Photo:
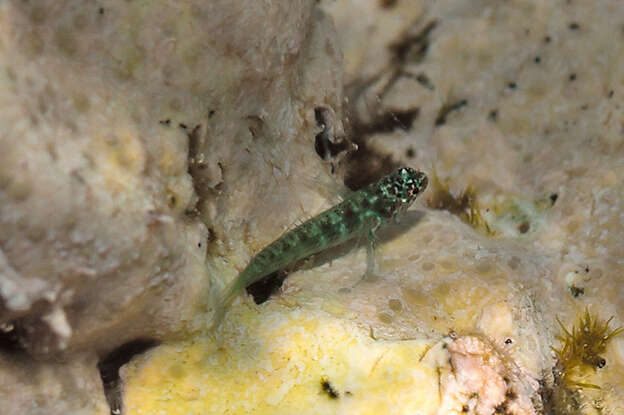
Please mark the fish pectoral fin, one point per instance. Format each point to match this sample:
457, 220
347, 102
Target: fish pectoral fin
371, 268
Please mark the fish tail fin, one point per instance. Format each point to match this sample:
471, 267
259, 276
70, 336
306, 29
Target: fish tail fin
216, 297
222, 297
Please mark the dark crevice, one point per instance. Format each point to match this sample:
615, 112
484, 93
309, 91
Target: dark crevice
413, 48
197, 165
329, 389
576, 291
256, 126
10, 341
558, 399
325, 143
493, 115
366, 165
195, 162
18, 336
425, 81
447, 109
109, 369
261, 290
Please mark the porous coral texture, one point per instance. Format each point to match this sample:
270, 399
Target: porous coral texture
518, 102
106, 113
43, 388
136, 136
149, 149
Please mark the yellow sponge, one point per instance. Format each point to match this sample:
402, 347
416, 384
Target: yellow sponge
286, 361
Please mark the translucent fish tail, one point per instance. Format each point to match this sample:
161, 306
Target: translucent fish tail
223, 297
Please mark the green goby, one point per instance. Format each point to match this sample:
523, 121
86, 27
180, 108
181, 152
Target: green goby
360, 214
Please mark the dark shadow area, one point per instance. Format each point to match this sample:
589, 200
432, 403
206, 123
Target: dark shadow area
10, 339
261, 290
557, 399
109, 369
365, 164
413, 47
447, 109
326, 145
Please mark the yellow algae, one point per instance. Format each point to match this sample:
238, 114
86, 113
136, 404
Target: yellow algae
465, 204
582, 375
287, 361
582, 347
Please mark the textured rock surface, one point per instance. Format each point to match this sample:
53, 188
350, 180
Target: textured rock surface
122, 133
135, 137
94, 239
140, 137
37, 388
521, 101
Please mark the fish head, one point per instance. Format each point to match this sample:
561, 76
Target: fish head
406, 184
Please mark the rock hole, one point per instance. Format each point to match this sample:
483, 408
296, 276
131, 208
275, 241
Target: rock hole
524, 227
10, 339
576, 291
109, 369
261, 290
325, 142
493, 115
329, 389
